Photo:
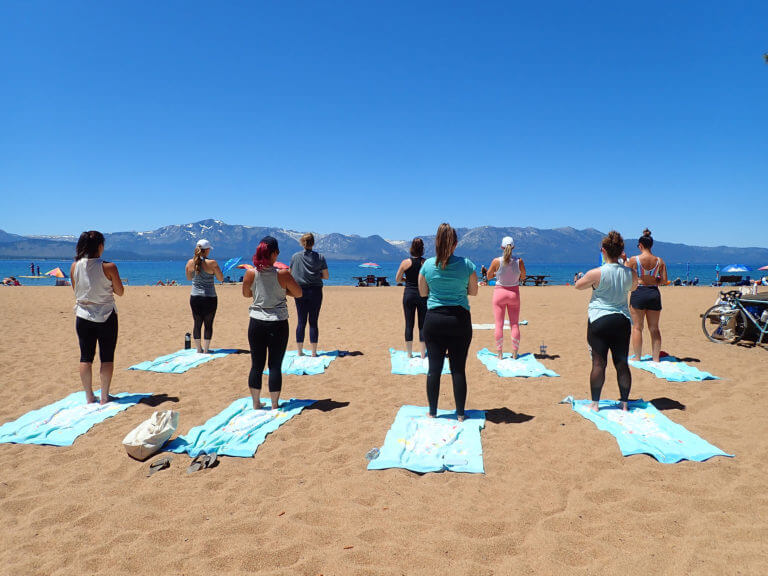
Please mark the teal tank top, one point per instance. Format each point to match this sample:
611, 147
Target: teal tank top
610, 296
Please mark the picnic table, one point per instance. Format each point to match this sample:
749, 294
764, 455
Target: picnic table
371, 280
536, 280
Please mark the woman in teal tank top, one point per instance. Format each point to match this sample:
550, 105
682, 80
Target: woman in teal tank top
609, 325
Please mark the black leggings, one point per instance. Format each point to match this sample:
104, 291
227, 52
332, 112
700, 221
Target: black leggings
105, 333
267, 340
413, 304
447, 329
612, 333
203, 312
308, 308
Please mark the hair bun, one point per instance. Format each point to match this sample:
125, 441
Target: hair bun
647, 233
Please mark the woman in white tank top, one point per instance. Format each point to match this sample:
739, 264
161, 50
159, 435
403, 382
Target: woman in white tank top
509, 272
95, 282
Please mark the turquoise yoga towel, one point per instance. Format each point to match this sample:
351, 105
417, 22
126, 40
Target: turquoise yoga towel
671, 369
181, 361
238, 430
306, 365
60, 423
413, 366
421, 444
645, 430
526, 365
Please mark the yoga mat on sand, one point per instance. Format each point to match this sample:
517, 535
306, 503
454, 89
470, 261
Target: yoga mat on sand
493, 326
413, 366
181, 361
306, 365
60, 423
238, 430
645, 430
421, 444
671, 369
526, 365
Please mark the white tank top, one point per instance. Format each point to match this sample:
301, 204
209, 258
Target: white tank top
508, 274
94, 299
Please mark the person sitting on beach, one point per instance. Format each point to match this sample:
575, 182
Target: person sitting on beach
609, 324
309, 269
202, 298
414, 305
11, 281
509, 272
268, 326
95, 282
446, 281
645, 302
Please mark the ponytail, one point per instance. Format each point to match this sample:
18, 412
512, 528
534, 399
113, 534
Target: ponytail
198, 258
445, 244
507, 253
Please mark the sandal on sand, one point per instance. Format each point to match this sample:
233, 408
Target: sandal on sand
159, 464
201, 462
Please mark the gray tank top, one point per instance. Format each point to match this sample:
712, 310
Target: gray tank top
202, 284
269, 302
94, 299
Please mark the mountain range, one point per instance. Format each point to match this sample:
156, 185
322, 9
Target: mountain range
556, 246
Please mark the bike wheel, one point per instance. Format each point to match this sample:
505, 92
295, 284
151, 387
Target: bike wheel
723, 324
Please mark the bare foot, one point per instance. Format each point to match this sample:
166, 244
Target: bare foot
514, 355
431, 415
106, 400
200, 351
461, 418
595, 406
300, 352
314, 354
90, 398
625, 406
500, 355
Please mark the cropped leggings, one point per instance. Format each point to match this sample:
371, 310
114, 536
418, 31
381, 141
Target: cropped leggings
506, 299
268, 340
105, 333
414, 306
203, 313
308, 308
612, 333
447, 329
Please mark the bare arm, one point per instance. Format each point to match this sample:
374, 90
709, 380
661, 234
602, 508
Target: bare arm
189, 269
522, 271
404, 265
213, 268
634, 280
590, 280
248, 283
663, 273
493, 269
110, 271
472, 286
72, 275
423, 286
325, 273
286, 280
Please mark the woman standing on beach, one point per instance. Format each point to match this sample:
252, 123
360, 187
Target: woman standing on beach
414, 305
645, 302
446, 280
609, 324
309, 269
95, 282
268, 327
509, 272
202, 298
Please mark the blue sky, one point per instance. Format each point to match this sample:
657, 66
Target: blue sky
386, 117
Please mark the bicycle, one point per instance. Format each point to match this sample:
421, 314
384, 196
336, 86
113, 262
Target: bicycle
726, 321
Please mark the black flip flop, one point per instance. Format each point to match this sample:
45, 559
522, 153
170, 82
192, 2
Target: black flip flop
159, 464
201, 462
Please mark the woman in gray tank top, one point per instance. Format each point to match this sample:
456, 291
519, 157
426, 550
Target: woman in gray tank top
202, 298
267, 287
95, 283
609, 324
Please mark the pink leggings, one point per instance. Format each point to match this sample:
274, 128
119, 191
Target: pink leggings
507, 299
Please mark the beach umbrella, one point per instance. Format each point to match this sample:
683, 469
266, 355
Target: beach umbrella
735, 269
281, 266
56, 273
244, 266
231, 263
763, 267
369, 265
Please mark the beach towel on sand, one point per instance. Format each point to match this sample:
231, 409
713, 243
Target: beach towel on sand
306, 365
238, 430
181, 361
413, 366
526, 365
645, 430
60, 423
421, 444
671, 369
493, 326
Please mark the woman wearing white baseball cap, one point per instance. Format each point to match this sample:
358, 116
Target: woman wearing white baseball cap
202, 298
509, 272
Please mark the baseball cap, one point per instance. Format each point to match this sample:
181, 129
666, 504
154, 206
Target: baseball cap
507, 241
203, 244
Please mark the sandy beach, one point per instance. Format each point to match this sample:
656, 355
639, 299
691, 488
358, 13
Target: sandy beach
557, 496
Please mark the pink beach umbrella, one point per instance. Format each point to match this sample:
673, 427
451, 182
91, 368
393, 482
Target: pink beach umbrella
369, 265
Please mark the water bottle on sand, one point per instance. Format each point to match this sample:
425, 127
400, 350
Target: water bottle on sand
543, 349
187, 341
372, 454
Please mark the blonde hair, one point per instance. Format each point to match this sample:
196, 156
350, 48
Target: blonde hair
197, 259
445, 244
307, 241
507, 253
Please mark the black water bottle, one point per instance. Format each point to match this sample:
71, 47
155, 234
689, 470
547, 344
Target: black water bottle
187, 341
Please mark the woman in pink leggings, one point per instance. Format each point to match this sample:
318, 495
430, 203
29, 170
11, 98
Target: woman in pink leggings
508, 272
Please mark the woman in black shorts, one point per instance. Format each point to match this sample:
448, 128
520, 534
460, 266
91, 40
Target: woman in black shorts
645, 302
414, 304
